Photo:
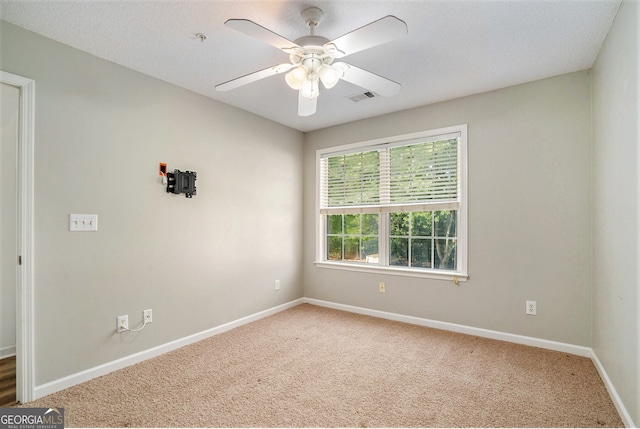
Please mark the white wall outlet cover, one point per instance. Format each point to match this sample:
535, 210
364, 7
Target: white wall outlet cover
122, 323
531, 308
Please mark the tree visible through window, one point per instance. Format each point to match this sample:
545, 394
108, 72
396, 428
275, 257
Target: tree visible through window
423, 239
352, 237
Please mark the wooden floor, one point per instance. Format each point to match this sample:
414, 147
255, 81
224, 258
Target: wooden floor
7, 381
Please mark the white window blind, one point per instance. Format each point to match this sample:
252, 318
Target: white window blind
351, 179
424, 172
403, 176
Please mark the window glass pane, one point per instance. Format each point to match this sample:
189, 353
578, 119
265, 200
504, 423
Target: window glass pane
421, 224
352, 249
445, 223
370, 224
445, 254
334, 248
398, 252
352, 224
369, 250
334, 224
399, 224
358, 243
421, 253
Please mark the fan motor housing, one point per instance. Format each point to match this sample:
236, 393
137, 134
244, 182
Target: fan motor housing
312, 42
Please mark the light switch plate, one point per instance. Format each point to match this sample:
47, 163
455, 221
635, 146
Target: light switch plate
83, 222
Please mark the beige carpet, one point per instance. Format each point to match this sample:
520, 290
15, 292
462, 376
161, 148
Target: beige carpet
315, 367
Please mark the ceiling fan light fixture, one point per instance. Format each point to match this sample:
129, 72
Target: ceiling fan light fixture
329, 75
310, 87
296, 77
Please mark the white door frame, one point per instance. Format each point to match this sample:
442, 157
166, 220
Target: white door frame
24, 313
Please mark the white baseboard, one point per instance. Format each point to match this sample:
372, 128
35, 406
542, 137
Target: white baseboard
463, 329
86, 375
622, 410
8, 351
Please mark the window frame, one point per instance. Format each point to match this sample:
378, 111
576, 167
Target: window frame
461, 273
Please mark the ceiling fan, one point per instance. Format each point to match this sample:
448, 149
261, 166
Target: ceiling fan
312, 58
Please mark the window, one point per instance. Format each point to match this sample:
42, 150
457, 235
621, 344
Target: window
397, 205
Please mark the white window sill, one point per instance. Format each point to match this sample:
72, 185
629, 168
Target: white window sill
394, 271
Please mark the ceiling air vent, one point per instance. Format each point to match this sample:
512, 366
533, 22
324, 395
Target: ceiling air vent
360, 97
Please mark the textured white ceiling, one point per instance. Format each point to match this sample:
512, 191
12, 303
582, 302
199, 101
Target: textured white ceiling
453, 49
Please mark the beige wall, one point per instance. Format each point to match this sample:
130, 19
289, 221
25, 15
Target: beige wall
616, 226
100, 132
529, 213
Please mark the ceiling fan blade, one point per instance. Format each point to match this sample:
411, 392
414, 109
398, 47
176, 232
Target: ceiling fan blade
252, 77
376, 33
372, 82
257, 31
306, 106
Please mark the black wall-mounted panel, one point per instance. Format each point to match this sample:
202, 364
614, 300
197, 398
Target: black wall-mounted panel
182, 182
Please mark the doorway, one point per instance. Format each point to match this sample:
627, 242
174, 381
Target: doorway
16, 228
9, 122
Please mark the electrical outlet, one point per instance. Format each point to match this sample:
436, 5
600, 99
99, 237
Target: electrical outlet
531, 308
147, 316
382, 287
277, 285
122, 323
